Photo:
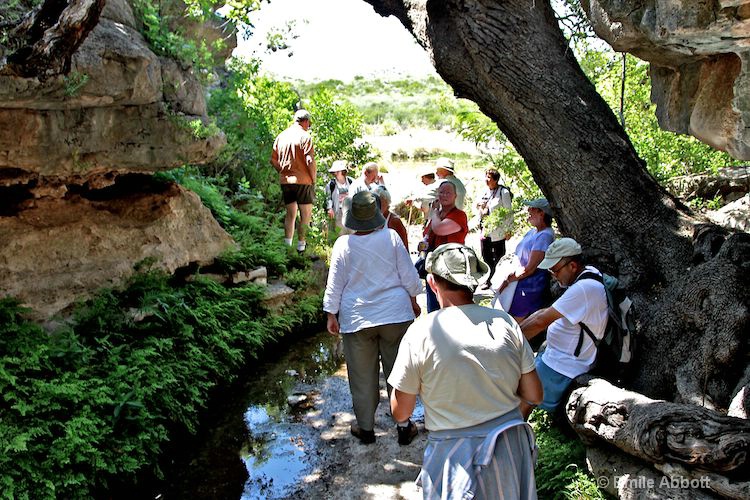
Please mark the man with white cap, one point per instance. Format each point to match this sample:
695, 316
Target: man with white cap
337, 190
584, 302
446, 172
293, 158
472, 368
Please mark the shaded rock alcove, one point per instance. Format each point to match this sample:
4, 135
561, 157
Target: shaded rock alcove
699, 62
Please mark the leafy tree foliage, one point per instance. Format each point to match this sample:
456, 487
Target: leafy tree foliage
337, 130
397, 103
166, 37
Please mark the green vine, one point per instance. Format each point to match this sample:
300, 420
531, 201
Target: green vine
499, 218
74, 82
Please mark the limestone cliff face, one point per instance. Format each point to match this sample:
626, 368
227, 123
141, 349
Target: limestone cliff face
78, 207
699, 54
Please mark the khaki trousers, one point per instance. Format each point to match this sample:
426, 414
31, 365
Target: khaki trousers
363, 351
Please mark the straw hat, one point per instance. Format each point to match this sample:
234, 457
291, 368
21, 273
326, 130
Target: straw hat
445, 163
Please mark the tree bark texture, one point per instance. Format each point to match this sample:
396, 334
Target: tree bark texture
511, 58
660, 431
51, 35
626, 478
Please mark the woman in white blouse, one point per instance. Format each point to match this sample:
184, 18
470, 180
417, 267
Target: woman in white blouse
370, 299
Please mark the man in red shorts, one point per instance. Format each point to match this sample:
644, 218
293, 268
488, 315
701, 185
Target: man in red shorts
293, 158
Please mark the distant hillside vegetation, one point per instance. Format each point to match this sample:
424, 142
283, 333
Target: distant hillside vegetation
399, 104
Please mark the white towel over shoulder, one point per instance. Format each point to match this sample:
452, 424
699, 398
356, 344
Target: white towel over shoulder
507, 266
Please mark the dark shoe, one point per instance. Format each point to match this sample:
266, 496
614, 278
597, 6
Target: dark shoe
407, 434
365, 437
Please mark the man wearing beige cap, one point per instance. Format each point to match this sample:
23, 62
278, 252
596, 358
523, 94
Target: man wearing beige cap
446, 172
569, 352
472, 367
293, 158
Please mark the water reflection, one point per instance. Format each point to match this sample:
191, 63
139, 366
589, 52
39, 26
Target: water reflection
274, 460
276, 453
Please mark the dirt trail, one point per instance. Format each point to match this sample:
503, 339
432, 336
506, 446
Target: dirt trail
348, 469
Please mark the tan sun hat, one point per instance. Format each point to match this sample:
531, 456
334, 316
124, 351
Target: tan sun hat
445, 163
458, 264
559, 249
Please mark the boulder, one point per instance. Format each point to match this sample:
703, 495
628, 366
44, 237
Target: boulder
120, 109
54, 252
699, 62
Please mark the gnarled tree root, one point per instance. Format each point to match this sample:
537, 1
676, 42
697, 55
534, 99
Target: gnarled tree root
659, 431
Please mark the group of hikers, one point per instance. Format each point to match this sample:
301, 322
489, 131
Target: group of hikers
472, 366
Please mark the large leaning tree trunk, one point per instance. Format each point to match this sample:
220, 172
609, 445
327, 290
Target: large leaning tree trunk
690, 281
51, 34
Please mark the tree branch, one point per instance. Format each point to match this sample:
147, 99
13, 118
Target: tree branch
52, 34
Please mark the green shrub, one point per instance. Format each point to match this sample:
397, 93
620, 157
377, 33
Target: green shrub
561, 465
399, 155
93, 404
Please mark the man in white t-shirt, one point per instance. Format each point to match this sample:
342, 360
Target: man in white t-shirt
570, 352
472, 368
368, 181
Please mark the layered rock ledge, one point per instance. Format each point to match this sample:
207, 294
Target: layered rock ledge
81, 138
699, 54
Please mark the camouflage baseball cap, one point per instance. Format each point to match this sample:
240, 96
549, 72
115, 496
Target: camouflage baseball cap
458, 264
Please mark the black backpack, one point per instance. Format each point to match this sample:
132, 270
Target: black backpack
616, 349
509, 192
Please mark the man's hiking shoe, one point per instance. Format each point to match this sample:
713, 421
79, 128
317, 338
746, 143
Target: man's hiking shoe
365, 437
407, 434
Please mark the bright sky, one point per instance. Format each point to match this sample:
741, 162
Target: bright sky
338, 39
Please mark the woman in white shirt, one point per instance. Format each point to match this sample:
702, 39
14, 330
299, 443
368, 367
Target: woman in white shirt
337, 190
370, 299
